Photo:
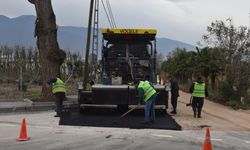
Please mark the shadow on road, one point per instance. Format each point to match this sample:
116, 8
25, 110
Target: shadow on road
109, 117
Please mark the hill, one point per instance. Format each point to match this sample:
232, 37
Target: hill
20, 31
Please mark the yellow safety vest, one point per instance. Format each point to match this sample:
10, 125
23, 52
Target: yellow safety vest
199, 90
58, 86
148, 90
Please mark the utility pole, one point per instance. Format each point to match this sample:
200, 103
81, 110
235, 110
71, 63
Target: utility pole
88, 45
21, 81
249, 20
95, 38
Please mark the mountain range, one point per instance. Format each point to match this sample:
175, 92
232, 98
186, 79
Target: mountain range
20, 31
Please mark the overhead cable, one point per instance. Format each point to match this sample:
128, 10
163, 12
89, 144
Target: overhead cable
111, 13
109, 20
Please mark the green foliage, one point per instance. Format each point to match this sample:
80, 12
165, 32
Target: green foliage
246, 106
208, 62
248, 94
233, 103
226, 55
225, 90
180, 64
184, 65
237, 105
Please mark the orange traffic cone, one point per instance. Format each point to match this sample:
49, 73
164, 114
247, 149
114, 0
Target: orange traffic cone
207, 145
23, 133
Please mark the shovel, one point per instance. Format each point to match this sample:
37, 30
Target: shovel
129, 111
116, 121
190, 102
133, 108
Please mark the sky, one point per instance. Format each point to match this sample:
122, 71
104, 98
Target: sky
182, 20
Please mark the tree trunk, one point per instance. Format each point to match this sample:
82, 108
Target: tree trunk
213, 78
51, 57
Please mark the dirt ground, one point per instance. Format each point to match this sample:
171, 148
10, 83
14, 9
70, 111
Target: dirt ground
217, 116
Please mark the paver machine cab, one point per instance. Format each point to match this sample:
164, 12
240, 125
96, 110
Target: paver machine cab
127, 55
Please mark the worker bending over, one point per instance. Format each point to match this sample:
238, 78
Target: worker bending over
58, 89
147, 93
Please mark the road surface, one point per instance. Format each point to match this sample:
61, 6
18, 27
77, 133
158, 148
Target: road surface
46, 134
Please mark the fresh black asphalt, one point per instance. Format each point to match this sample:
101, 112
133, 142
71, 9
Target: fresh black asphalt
110, 117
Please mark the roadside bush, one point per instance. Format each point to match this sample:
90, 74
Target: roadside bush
233, 103
248, 96
225, 90
237, 105
246, 106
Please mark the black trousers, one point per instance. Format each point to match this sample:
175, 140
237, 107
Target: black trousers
197, 105
60, 96
79, 93
174, 102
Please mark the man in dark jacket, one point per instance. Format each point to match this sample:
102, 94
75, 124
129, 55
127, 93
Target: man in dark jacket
174, 93
199, 92
58, 89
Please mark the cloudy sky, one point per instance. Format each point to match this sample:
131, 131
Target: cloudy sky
183, 20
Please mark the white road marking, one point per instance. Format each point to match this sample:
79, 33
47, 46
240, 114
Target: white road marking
160, 135
43, 127
213, 139
14, 125
248, 142
2, 139
8, 125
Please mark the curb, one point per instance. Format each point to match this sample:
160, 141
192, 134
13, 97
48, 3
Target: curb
27, 109
41, 106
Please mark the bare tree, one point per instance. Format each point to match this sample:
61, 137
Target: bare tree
51, 57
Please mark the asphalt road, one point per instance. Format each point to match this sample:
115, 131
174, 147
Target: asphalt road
46, 134
110, 117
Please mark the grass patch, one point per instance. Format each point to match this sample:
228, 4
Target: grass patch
246, 106
232, 103
33, 95
237, 105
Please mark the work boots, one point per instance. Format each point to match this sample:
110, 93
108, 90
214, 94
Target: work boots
173, 112
199, 115
194, 114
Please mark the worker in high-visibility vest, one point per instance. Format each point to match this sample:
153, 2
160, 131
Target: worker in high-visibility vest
199, 92
147, 93
58, 89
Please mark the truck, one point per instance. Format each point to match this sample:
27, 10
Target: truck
127, 55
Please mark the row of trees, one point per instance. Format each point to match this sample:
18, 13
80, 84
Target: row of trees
19, 60
224, 60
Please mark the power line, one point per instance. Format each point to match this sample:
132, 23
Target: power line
110, 23
111, 13
108, 8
